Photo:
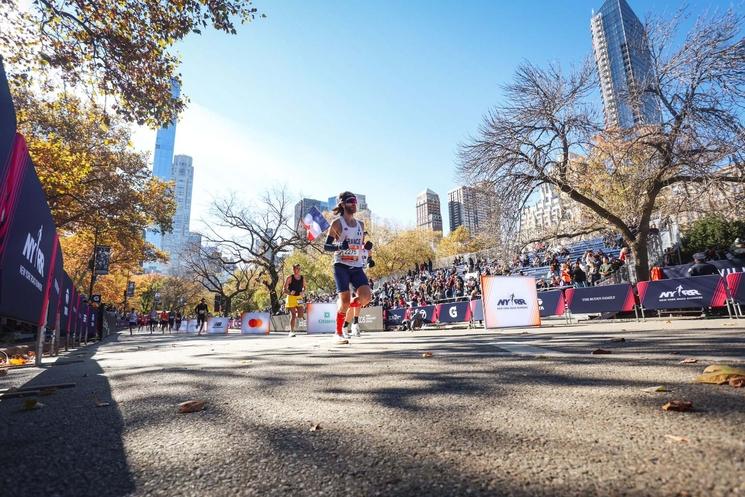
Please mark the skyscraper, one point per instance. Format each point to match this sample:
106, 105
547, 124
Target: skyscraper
182, 175
625, 66
162, 162
469, 207
428, 214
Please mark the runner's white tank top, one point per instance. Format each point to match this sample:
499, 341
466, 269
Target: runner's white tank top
356, 256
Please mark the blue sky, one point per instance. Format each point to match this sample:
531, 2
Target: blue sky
374, 97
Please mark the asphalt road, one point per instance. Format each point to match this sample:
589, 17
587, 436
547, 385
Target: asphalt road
487, 414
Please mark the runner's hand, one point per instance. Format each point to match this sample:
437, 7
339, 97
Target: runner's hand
370, 263
344, 245
368, 245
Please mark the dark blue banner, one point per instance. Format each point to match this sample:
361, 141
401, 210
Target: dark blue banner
56, 286
395, 316
66, 303
551, 303
426, 312
598, 299
724, 267
27, 251
7, 124
683, 293
454, 312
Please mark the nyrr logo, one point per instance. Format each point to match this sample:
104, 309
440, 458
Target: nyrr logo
32, 251
680, 292
540, 305
512, 301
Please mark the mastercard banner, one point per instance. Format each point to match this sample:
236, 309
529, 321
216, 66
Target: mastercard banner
255, 323
510, 301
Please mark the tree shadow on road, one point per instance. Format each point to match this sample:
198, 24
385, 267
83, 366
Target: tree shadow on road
69, 447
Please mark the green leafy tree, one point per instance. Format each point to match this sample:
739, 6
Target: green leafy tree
711, 232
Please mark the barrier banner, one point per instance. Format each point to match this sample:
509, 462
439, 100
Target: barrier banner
255, 323
510, 301
736, 283
92, 321
82, 320
55, 290
371, 318
683, 293
477, 310
321, 318
598, 299
551, 303
68, 296
454, 312
217, 325
7, 123
28, 242
724, 267
427, 312
394, 317
188, 326
281, 322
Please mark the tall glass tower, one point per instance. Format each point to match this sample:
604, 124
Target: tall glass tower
624, 65
162, 162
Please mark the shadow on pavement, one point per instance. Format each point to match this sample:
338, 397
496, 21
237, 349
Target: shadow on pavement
69, 447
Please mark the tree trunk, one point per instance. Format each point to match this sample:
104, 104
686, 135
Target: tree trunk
641, 257
274, 298
228, 302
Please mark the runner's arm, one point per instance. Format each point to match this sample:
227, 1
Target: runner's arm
333, 235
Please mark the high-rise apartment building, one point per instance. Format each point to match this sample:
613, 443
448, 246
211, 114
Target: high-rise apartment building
469, 207
428, 214
178, 240
624, 65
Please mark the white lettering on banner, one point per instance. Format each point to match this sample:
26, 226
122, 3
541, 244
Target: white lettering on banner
30, 277
540, 305
453, 311
596, 299
32, 251
680, 292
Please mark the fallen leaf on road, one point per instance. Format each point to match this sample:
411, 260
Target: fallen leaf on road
191, 406
100, 403
737, 382
678, 405
668, 321
719, 374
315, 427
660, 388
427, 354
3, 372
31, 404
676, 438
600, 351
618, 340
688, 360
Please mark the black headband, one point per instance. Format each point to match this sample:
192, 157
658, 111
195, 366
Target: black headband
347, 196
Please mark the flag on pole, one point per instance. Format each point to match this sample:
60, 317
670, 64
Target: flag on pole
315, 223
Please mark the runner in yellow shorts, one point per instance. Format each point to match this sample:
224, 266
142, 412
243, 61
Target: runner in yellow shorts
295, 289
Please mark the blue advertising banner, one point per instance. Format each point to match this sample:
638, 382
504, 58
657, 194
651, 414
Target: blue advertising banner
683, 293
598, 299
66, 303
27, 251
551, 303
427, 313
454, 312
55, 290
395, 316
7, 123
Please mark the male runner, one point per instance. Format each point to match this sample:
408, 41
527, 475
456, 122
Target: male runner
346, 239
201, 311
294, 289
